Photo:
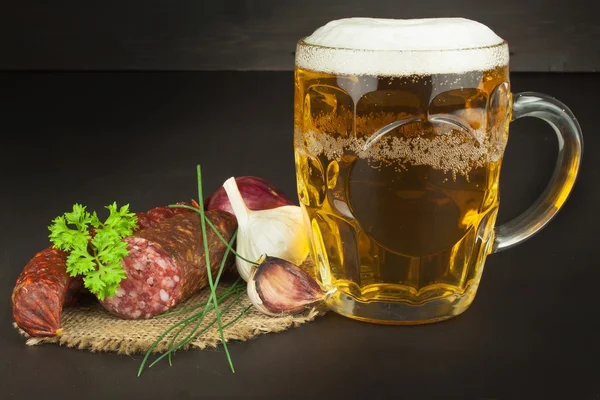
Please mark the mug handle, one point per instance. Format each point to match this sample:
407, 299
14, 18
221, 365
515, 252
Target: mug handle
570, 151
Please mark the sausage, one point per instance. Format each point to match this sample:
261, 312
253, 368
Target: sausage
44, 288
166, 264
41, 292
155, 215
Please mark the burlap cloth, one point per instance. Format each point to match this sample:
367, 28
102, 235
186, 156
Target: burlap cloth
93, 328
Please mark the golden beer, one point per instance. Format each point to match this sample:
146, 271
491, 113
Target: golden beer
397, 174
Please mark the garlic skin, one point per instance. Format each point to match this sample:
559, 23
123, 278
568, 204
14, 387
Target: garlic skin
279, 232
258, 194
277, 287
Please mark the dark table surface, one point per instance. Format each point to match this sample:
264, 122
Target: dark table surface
96, 138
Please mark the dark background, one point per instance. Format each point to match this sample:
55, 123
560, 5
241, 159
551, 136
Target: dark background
118, 101
544, 35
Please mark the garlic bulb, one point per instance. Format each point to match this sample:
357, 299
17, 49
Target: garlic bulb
278, 232
278, 287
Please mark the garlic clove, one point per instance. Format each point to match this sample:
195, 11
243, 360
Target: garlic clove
278, 287
279, 232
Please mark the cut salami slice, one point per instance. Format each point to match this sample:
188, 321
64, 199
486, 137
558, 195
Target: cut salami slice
166, 264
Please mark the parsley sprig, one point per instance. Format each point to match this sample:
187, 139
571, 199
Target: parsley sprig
96, 257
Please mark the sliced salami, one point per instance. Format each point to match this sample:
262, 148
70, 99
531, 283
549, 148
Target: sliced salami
166, 264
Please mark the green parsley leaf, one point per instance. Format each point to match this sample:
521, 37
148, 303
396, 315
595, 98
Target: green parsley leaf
80, 262
97, 259
122, 221
94, 283
104, 240
95, 221
79, 217
111, 274
65, 238
117, 252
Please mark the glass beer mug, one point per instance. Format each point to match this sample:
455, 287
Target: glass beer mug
399, 132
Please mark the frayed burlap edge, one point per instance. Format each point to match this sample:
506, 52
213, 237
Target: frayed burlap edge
94, 329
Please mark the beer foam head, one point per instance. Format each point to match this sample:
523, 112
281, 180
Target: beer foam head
370, 46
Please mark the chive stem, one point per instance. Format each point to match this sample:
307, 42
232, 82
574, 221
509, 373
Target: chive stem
214, 228
203, 330
206, 252
236, 290
231, 289
218, 278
